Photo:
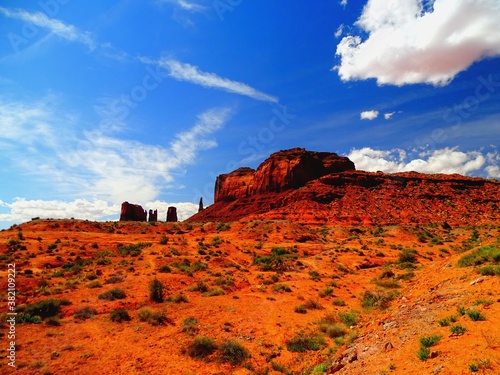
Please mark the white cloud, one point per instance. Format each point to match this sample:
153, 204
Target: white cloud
339, 31
369, 115
22, 210
389, 115
447, 160
343, 3
186, 5
191, 73
65, 31
413, 42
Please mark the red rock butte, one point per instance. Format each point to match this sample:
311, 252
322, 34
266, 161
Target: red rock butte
321, 187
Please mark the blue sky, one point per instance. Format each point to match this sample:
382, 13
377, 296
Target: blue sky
149, 100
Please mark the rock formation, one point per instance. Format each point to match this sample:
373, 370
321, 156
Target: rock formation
284, 170
153, 216
172, 214
200, 206
132, 212
320, 187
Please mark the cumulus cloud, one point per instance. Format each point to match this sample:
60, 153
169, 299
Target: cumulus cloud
369, 115
447, 160
190, 73
22, 210
59, 28
410, 41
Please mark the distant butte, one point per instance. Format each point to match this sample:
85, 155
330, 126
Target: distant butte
321, 187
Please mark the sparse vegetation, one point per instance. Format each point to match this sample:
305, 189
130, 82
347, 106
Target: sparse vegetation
151, 316
119, 315
112, 294
156, 291
303, 342
279, 260
85, 313
201, 347
377, 299
233, 352
475, 315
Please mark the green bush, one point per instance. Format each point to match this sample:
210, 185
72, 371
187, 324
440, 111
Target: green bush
407, 256
131, 249
112, 295
189, 325
485, 254
150, 316
119, 315
429, 341
233, 352
201, 347
377, 299
313, 305
114, 280
165, 269
328, 291
303, 342
45, 309
280, 260
301, 309
423, 353
457, 329
85, 313
475, 315
156, 291
280, 288
338, 302
349, 318
334, 330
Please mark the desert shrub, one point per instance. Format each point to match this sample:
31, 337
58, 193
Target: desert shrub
334, 330
201, 347
457, 329
280, 288
444, 322
490, 270
377, 299
94, 284
163, 240
53, 322
315, 275
338, 302
223, 227
485, 254
45, 309
224, 282
349, 318
114, 280
189, 325
303, 342
180, 298
233, 352
475, 315
407, 257
312, 305
119, 315
151, 316
388, 284
85, 313
328, 291
165, 269
200, 286
278, 367
280, 260
300, 309
429, 341
112, 294
156, 291
423, 353
213, 292
131, 249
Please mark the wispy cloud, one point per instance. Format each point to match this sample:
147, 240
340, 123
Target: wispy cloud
429, 42
190, 73
446, 160
389, 115
59, 28
186, 5
369, 115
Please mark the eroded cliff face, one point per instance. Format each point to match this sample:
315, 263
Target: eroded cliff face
283, 170
315, 187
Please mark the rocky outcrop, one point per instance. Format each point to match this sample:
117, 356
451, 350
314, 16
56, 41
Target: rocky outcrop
283, 170
200, 205
153, 216
285, 186
132, 212
172, 214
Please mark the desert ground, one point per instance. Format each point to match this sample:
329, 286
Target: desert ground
250, 297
